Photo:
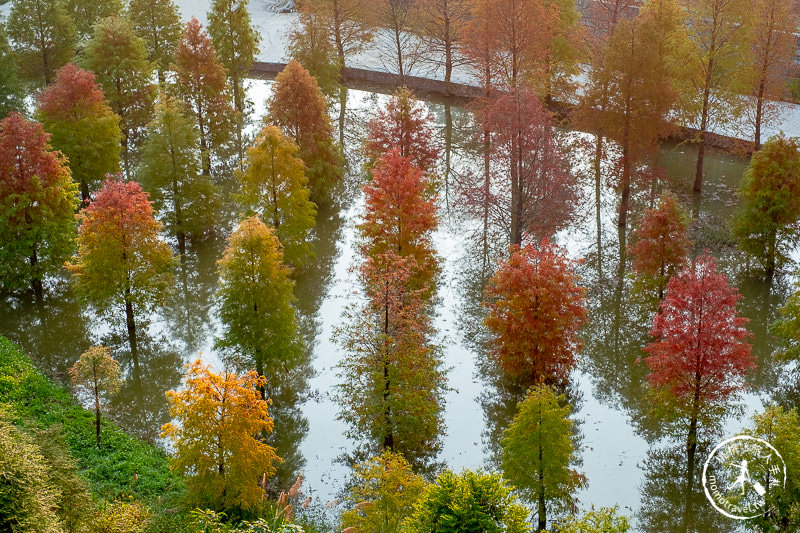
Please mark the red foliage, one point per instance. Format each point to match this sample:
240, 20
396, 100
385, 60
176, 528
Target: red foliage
197, 62
533, 189
119, 208
403, 125
400, 213
28, 165
661, 242
701, 353
536, 311
74, 93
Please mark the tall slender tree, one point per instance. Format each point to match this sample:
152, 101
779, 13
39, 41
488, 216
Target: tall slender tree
158, 22
716, 68
98, 372
122, 264
633, 95
202, 85
401, 217
187, 201
118, 58
236, 43
256, 301
274, 186
770, 190
298, 107
533, 190
539, 454
44, 38
773, 53
392, 376
700, 355
218, 437
83, 127
442, 26
37, 204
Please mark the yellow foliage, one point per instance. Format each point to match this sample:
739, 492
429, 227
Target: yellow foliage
218, 437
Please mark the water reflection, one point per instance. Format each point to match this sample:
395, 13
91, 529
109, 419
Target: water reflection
140, 407
672, 498
188, 309
54, 331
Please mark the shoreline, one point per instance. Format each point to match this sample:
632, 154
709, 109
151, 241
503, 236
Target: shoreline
430, 88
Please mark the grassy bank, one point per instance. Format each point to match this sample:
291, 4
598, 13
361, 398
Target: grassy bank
122, 468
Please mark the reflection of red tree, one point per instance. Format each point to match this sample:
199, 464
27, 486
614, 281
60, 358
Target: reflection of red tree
531, 189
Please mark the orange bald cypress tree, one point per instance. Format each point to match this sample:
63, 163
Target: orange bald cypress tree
203, 87
298, 107
536, 310
218, 437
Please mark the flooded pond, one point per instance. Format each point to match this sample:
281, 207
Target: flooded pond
627, 461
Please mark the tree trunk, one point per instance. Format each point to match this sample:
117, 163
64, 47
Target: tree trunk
130, 320
598, 159
96, 404
448, 146
701, 148
771, 254
342, 113
626, 189
36, 280
84, 193
759, 113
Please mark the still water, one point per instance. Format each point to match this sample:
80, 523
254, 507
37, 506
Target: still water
626, 457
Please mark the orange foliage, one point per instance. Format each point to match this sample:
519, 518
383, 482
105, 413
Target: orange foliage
218, 437
535, 313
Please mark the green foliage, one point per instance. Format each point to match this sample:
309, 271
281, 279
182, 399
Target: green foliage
539, 450
473, 502
11, 91
82, 126
158, 22
780, 428
256, 300
770, 192
208, 521
28, 498
384, 492
274, 185
119, 59
44, 38
787, 327
86, 13
37, 203
186, 200
603, 520
235, 41
123, 466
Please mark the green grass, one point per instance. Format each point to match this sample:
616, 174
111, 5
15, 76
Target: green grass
35, 402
